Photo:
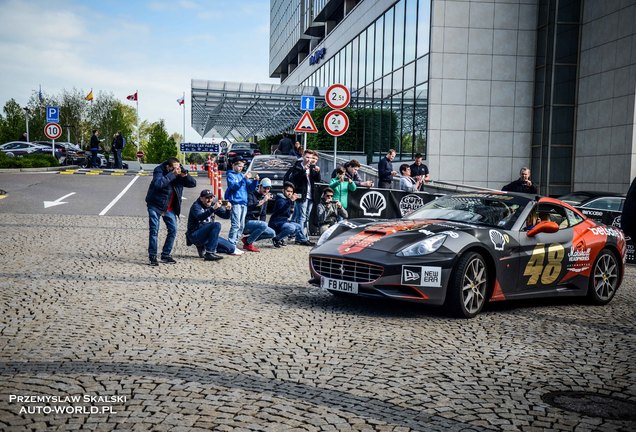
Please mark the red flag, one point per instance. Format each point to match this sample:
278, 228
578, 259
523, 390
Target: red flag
181, 101
132, 97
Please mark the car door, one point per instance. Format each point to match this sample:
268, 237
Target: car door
543, 258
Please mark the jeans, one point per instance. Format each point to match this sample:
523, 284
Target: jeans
257, 230
207, 236
300, 216
117, 155
170, 219
289, 228
94, 162
237, 220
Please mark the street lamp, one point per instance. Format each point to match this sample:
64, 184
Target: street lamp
68, 133
26, 117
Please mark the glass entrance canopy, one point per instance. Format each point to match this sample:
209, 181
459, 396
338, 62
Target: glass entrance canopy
232, 109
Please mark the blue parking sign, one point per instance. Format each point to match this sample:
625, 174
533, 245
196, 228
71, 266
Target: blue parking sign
308, 103
52, 114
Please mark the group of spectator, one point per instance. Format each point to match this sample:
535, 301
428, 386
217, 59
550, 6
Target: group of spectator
412, 177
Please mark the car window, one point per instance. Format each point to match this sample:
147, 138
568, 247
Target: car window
573, 218
272, 164
606, 203
554, 213
241, 147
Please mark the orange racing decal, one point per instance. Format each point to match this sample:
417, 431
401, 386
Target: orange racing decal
369, 236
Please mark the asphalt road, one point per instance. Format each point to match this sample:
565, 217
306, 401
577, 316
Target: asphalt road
245, 344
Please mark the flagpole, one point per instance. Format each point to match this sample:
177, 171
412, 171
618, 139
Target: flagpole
137, 103
183, 139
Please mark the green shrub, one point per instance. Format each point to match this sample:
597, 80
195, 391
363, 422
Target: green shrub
28, 161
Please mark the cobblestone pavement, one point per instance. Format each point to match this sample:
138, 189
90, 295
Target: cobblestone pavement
245, 344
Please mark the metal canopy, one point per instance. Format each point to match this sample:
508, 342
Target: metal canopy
235, 110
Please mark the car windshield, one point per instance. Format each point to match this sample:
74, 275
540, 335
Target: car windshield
272, 164
481, 209
575, 198
246, 146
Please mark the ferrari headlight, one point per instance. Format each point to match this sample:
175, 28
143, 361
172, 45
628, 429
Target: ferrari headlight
325, 236
424, 247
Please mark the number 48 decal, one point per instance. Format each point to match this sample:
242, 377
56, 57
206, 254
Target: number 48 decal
537, 268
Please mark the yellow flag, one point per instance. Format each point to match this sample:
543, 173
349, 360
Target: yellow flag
89, 96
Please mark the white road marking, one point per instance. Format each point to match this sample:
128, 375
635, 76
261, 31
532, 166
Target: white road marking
118, 197
58, 201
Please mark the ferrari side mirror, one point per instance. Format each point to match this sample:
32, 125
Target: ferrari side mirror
543, 227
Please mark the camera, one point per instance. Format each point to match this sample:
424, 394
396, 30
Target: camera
312, 166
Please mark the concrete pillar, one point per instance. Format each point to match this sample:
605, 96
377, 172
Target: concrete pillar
329, 26
348, 5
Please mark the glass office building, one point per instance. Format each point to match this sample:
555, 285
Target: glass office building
482, 88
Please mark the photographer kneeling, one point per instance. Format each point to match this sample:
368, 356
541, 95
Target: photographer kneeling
203, 231
329, 211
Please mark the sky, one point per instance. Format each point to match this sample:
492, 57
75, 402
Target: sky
122, 46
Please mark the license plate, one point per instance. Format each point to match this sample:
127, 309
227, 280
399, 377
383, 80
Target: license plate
339, 285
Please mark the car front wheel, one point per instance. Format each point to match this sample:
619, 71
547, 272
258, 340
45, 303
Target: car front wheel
468, 286
604, 278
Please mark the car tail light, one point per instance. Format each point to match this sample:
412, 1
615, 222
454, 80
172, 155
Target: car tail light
231, 153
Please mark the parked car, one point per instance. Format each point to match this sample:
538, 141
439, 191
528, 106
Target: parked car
21, 148
607, 201
466, 250
244, 150
273, 167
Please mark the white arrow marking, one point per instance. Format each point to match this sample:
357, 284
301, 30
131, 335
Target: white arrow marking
58, 201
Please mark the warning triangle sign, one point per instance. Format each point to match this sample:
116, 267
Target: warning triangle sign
306, 124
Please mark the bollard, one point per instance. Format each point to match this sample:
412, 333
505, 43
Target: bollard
219, 193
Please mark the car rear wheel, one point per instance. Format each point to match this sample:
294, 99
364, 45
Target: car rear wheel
604, 278
468, 286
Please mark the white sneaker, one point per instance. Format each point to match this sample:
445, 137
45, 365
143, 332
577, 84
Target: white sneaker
237, 252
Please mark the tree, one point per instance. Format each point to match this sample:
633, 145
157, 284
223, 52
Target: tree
12, 124
160, 147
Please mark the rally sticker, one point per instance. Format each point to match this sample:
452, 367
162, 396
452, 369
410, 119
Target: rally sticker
422, 276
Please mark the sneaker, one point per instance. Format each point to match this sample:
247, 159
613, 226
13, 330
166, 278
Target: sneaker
168, 260
276, 243
305, 243
237, 252
212, 257
153, 261
200, 251
250, 247
244, 240
282, 242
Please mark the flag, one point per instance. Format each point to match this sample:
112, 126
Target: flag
89, 96
181, 101
132, 97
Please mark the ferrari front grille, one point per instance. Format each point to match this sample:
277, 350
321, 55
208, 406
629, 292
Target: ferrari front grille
352, 271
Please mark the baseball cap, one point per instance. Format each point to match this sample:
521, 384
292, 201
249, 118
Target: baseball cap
265, 182
206, 193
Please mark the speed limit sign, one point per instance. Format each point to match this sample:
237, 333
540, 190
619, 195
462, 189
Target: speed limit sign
53, 131
336, 123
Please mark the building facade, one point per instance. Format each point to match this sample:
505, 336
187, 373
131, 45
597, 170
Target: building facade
482, 88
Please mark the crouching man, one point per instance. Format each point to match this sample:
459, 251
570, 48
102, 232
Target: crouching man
255, 226
204, 232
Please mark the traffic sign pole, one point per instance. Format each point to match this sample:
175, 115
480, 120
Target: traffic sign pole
335, 150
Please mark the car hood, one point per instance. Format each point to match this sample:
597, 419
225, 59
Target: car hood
393, 235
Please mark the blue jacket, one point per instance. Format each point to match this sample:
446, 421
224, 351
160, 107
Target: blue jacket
281, 213
238, 187
163, 184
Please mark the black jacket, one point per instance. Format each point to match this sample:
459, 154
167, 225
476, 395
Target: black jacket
628, 218
298, 176
199, 215
94, 142
285, 145
520, 186
385, 168
163, 184
254, 212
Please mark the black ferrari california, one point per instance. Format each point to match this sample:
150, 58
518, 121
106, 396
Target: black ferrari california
465, 250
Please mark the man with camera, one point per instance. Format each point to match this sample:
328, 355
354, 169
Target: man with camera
164, 201
255, 226
204, 232
522, 184
329, 211
279, 220
303, 175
